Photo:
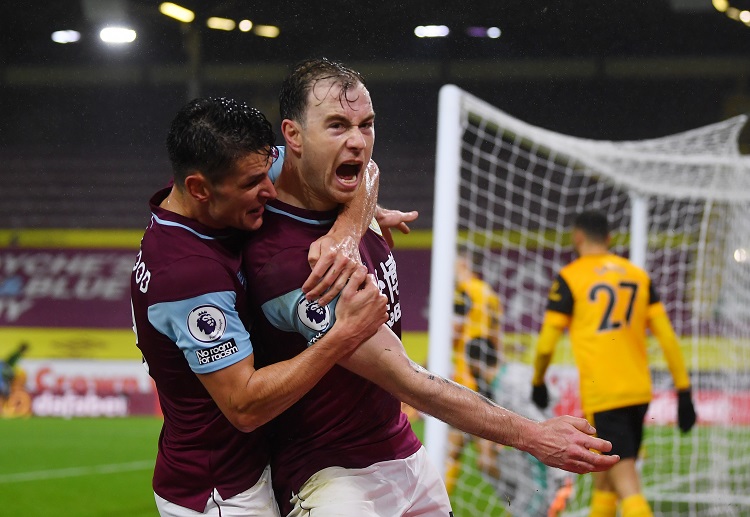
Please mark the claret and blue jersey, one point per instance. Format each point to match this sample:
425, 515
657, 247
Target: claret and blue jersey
189, 319
345, 420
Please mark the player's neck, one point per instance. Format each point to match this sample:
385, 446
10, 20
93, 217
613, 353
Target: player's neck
591, 249
292, 189
174, 202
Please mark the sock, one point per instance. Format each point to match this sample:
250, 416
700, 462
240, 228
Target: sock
636, 506
603, 504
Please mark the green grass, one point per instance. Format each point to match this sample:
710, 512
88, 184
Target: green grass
103, 467
78, 467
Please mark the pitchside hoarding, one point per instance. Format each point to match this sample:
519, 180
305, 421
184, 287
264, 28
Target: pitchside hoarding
70, 303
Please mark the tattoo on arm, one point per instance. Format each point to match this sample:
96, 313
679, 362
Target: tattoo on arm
419, 369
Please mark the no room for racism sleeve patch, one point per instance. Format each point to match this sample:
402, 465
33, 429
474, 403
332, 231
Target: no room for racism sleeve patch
207, 328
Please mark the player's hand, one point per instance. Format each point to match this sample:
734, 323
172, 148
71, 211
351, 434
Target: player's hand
388, 219
362, 308
540, 396
333, 261
685, 410
566, 442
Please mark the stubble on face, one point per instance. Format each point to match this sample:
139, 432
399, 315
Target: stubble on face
339, 136
239, 200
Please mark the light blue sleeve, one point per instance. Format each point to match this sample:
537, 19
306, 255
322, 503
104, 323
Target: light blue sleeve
291, 312
206, 328
275, 169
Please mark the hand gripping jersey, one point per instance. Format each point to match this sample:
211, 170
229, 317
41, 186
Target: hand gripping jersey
344, 420
607, 302
189, 307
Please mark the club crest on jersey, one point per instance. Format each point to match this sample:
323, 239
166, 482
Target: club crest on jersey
206, 323
312, 315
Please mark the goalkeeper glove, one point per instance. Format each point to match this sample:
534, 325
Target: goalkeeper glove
540, 396
685, 410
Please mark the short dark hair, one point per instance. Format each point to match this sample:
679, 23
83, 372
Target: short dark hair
594, 224
210, 134
298, 84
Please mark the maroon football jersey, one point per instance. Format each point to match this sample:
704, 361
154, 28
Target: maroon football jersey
345, 420
189, 312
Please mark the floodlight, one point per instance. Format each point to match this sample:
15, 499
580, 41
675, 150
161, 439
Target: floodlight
177, 12
221, 24
267, 31
431, 31
68, 36
117, 35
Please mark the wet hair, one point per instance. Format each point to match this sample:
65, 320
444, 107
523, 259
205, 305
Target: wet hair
594, 224
210, 135
303, 78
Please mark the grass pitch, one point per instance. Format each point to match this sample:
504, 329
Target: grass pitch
90, 467
79, 467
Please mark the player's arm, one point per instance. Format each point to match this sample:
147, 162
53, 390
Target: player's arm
334, 256
388, 219
556, 320
249, 397
562, 442
661, 327
552, 329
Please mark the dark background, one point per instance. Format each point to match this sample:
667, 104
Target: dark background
83, 124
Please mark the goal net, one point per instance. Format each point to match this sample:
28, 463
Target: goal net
506, 192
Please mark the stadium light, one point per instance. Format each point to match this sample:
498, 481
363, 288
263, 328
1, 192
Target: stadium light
431, 31
721, 5
117, 35
267, 31
731, 12
177, 12
220, 24
484, 32
68, 36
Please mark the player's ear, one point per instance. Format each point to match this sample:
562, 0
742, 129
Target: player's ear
292, 134
197, 186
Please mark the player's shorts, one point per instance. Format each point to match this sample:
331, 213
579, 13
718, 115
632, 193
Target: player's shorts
623, 427
396, 488
257, 501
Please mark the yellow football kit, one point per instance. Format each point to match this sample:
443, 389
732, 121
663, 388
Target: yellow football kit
477, 340
608, 303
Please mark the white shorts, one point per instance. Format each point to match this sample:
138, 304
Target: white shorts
258, 501
397, 488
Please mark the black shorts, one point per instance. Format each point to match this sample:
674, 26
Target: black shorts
623, 427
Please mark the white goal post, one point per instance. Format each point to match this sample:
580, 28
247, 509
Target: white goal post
507, 192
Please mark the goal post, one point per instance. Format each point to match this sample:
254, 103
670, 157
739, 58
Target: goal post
443, 258
506, 192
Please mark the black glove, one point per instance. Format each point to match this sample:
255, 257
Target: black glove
540, 396
685, 410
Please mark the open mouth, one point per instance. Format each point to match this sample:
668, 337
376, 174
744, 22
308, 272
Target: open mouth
347, 172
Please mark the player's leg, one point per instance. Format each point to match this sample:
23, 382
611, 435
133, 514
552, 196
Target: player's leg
428, 496
398, 488
257, 501
624, 428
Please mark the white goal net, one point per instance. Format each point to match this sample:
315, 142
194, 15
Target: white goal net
507, 192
